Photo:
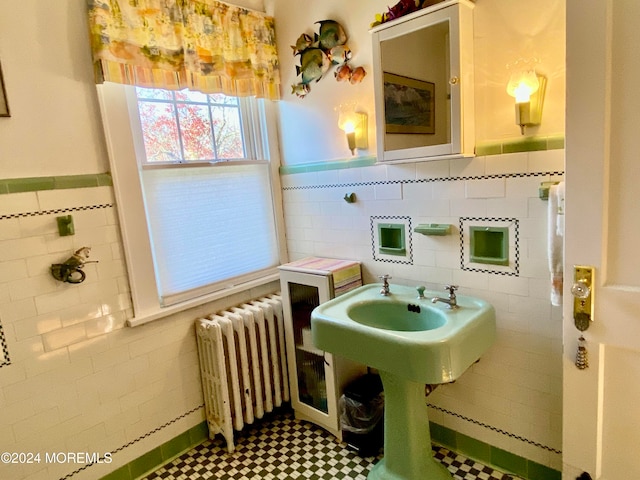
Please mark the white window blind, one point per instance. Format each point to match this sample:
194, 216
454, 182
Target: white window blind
210, 226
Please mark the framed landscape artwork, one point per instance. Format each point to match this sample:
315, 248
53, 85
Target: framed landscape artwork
409, 105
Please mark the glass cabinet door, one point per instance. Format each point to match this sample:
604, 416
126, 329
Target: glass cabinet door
312, 386
316, 378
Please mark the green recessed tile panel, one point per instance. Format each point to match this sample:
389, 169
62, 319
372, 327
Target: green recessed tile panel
391, 239
489, 245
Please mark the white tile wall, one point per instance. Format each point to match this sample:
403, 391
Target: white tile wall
517, 385
78, 380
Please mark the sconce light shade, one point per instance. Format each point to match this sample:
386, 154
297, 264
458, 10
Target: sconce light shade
354, 125
528, 88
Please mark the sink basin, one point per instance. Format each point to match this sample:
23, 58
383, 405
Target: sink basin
404, 335
411, 342
397, 316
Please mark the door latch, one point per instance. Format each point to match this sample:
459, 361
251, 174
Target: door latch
582, 291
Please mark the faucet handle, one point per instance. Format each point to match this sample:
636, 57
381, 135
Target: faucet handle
385, 284
452, 289
420, 289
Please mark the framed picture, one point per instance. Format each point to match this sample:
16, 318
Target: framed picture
4, 104
409, 105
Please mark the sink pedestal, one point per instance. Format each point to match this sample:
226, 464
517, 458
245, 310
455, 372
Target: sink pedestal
407, 440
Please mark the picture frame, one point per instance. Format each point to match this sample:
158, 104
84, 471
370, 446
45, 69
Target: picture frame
409, 105
4, 103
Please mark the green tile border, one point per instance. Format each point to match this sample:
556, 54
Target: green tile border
155, 458
36, 184
490, 455
331, 165
527, 144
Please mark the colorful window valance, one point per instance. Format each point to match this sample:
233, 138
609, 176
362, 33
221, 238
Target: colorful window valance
202, 45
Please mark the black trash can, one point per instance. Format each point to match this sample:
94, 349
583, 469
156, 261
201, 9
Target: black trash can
362, 415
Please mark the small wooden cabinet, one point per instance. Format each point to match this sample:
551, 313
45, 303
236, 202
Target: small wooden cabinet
317, 379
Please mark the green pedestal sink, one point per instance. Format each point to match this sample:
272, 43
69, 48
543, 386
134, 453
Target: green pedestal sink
412, 342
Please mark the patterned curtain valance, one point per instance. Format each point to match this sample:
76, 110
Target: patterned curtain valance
202, 45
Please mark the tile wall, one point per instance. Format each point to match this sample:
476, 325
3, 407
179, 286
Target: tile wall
73, 378
512, 398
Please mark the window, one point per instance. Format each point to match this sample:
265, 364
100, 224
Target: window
189, 126
194, 187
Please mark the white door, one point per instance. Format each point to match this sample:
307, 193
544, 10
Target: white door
601, 411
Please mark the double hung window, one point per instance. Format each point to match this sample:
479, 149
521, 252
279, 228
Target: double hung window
193, 176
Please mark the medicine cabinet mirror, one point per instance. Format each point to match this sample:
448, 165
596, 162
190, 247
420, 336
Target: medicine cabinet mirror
423, 80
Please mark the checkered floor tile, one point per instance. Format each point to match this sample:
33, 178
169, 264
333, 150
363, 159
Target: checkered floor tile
282, 447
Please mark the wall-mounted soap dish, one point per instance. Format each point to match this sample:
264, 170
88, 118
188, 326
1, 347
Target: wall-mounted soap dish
543, 189
433, 229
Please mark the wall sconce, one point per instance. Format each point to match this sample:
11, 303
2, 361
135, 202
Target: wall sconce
354, 125
528, 88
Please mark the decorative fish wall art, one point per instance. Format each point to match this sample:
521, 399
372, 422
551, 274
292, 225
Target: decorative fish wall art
319, 53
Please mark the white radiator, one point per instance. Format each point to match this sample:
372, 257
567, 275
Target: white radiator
242, 364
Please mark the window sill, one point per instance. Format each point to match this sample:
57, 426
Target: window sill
150, 316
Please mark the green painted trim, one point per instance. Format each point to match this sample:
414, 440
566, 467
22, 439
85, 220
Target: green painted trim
324, 166
490, 455
165, 453
527, 144
36, 184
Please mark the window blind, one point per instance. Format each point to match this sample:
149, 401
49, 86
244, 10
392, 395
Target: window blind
210, 226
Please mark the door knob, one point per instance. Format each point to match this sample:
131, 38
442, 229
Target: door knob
580, 289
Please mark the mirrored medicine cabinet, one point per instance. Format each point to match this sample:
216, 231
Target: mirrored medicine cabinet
423, 82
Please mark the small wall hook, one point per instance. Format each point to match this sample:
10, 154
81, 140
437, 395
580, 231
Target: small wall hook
350, 197
71, 270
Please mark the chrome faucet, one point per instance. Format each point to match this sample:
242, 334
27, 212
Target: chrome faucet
451, 302
385, 284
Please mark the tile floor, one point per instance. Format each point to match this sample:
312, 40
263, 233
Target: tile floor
282, 447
